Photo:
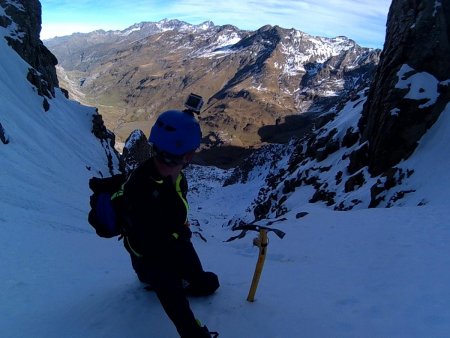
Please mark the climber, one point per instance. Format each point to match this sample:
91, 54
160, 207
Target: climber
158, 237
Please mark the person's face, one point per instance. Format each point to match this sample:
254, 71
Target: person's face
168, 170
172, 167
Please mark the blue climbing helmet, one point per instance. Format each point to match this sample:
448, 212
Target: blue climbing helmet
176, 132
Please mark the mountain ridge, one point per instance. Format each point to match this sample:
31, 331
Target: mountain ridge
249, 79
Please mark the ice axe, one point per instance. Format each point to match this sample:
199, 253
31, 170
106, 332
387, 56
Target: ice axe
261, 242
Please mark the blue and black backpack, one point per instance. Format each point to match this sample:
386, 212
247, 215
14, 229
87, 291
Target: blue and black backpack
106, 214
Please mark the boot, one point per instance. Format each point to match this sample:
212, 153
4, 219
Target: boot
203, 332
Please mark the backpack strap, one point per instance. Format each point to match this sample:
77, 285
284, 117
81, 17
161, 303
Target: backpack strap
181, 193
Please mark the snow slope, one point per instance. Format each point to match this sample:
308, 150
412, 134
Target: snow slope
362, 273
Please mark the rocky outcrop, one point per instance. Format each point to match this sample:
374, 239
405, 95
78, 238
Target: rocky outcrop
108, 140
23, 17
397, 114
3, 136
136, 150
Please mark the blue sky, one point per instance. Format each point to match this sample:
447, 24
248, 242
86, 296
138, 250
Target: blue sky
363, 21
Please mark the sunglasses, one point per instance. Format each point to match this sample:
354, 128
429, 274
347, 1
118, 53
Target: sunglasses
168, 159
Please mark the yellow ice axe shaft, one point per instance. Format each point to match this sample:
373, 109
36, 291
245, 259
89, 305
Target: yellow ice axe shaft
262, 244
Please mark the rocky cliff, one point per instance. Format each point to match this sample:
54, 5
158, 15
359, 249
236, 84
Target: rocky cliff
353, 159
24, 20
396, 114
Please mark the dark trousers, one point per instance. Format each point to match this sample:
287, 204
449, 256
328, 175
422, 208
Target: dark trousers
166, 273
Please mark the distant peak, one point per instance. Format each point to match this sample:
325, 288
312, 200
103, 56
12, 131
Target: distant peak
265, 28
206, 25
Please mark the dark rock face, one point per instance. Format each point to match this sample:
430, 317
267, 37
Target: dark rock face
26, 14
3, 136
395, 118
136, 150
99, 129
107, 139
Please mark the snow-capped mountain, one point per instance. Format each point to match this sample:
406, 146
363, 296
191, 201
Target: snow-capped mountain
259, 86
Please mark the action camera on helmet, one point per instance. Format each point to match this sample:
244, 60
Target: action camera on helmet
194, 103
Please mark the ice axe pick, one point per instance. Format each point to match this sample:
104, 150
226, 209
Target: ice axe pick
261, 242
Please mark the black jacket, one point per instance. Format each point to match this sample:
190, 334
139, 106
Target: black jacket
156, 211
